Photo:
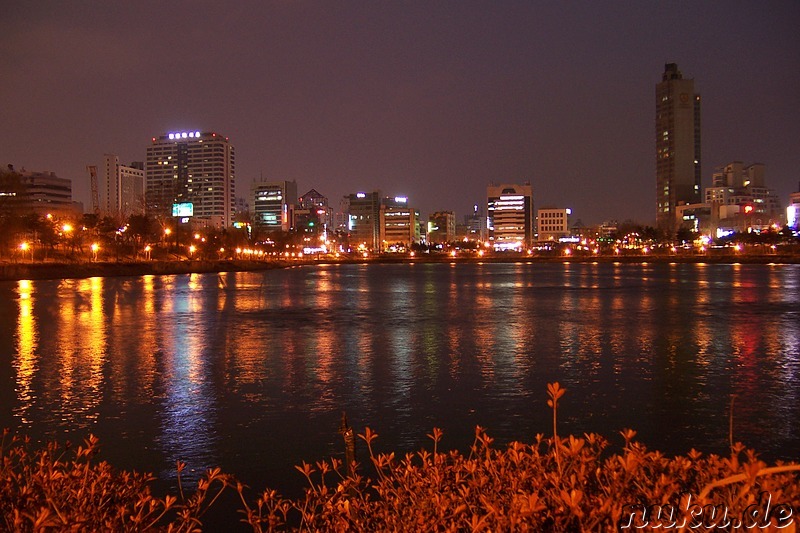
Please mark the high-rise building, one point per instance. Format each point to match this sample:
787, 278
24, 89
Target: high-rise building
192, 167
273, 204
677, 145
122, 188
510, 216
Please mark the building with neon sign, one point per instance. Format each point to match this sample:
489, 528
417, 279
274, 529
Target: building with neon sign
510, 216
195, 167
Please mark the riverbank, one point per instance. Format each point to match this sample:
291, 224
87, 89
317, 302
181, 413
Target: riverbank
67, 270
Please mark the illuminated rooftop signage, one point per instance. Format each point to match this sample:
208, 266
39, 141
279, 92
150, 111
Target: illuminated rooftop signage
184, 135
401, 199
360, 195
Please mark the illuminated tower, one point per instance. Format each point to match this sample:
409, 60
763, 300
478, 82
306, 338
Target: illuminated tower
192, 167
677, 145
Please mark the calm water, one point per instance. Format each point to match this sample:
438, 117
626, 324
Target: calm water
251, 371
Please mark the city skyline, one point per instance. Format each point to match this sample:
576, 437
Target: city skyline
434, 102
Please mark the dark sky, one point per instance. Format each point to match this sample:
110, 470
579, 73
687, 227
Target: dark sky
432, 99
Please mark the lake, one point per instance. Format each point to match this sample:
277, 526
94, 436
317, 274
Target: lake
252, 371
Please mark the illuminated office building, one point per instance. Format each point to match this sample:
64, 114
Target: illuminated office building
364, 219
273, 204
510, 216
677, 146
399, 226
192, 167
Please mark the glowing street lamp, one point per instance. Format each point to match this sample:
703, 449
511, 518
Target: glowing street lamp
95, 247
147, 250
191, 250
24, 247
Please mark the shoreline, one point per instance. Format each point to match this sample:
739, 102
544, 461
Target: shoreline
74, 270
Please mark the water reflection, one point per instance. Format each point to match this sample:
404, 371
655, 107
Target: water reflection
221, 368
26, 360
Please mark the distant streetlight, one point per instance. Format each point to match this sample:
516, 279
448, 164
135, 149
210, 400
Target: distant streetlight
95, 248
24, 247
191, 250
147, 250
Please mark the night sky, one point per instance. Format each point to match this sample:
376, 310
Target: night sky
433, 100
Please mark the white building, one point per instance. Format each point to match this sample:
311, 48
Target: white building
122, 188
192, 167
553, 223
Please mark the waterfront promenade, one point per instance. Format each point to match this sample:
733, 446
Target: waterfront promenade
67, 269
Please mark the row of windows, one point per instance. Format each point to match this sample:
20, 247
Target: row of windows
553, 228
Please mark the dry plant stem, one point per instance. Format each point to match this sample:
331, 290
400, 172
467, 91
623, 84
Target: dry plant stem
730, 425
743, 477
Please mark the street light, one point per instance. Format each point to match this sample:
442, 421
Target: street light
191, 250
95, 248
147, 250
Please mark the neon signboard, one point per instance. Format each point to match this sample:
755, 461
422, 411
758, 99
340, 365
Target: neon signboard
185, 209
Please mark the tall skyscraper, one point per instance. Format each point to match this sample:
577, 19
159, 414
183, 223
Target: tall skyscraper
677, 145
192, 167
122, 188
